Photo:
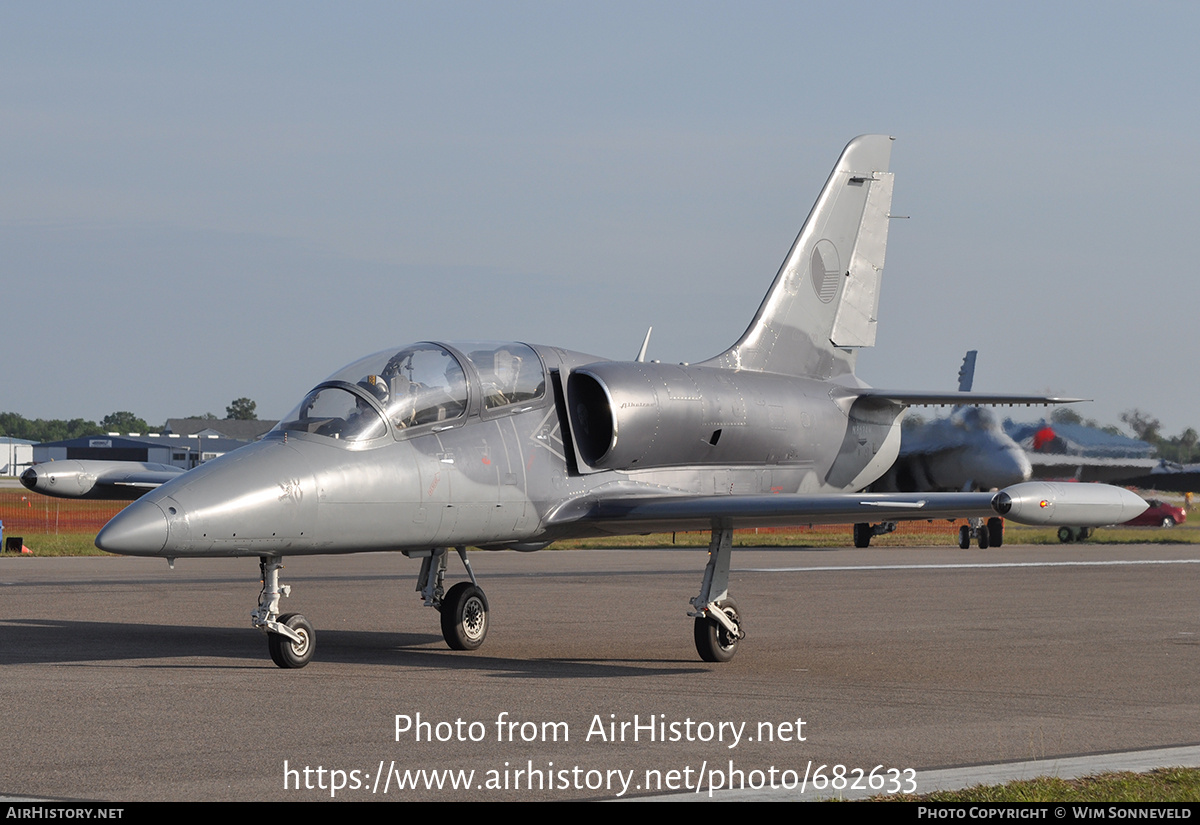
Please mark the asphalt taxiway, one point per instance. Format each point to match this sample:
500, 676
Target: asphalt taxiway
125, 680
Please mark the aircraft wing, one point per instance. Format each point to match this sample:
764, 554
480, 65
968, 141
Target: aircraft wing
939, 398
116, 480
1028, 503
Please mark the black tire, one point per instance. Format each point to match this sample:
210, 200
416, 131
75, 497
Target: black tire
982, 536
288, 654
713, 641
862, 535
1066, 535
464, 617
964, 538
1168, 521
995, 528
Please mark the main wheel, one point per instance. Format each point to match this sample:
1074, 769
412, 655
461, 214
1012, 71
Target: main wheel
964, 538
983, 535
289, 654
862, 535
1065, 535
995, 528
464, 617
713, 642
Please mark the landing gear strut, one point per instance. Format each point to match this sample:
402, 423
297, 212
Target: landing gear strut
464, 608
290, 637
718, 627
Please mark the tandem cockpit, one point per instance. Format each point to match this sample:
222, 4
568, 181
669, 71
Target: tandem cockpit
421, 388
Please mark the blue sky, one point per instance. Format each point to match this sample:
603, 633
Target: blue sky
205, 201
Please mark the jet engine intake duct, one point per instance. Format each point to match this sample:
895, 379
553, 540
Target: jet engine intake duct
593, 424
631, 416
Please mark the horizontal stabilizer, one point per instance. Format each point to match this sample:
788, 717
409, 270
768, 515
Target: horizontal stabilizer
941, 398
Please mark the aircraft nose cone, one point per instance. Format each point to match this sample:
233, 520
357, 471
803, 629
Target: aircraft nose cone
1015, 467
1003, 465
138, 530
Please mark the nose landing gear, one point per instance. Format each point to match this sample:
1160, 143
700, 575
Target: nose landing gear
290, 637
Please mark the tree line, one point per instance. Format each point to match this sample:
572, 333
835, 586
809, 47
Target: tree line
14, 425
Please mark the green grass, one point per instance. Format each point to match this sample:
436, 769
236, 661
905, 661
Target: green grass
61, 544
1162, 785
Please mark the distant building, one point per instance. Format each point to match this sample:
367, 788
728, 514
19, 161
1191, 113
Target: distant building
1080, 452
1077, 440
174, 450
15, 455
235, 428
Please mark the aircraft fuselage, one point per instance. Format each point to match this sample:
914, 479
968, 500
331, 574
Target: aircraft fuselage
497, 474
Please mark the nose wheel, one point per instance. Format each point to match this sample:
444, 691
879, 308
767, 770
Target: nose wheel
288, 653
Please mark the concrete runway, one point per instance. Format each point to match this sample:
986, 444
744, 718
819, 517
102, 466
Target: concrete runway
124, 680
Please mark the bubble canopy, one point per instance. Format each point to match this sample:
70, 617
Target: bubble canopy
418, 386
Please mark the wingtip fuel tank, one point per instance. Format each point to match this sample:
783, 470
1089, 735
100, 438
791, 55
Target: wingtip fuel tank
1064, 503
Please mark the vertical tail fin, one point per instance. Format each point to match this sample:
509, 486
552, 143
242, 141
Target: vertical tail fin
823, 302
966, 373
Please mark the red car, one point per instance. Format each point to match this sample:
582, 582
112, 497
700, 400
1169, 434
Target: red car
1158, 514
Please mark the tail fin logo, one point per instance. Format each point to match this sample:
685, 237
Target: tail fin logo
826, 270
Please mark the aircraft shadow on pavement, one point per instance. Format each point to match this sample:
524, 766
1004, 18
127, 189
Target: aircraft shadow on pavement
47, 641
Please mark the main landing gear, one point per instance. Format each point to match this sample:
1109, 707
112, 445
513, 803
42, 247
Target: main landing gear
718, 627
290, 637
864, 532
987, 535
464, 608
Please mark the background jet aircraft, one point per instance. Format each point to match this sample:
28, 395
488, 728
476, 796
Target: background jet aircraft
969, 450
97, 479
434, 446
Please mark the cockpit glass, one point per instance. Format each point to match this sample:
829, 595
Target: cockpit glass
422, 384
336, 413
509, 373
419, 384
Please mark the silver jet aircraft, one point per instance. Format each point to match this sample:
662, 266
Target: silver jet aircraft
95, 478
433, 446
